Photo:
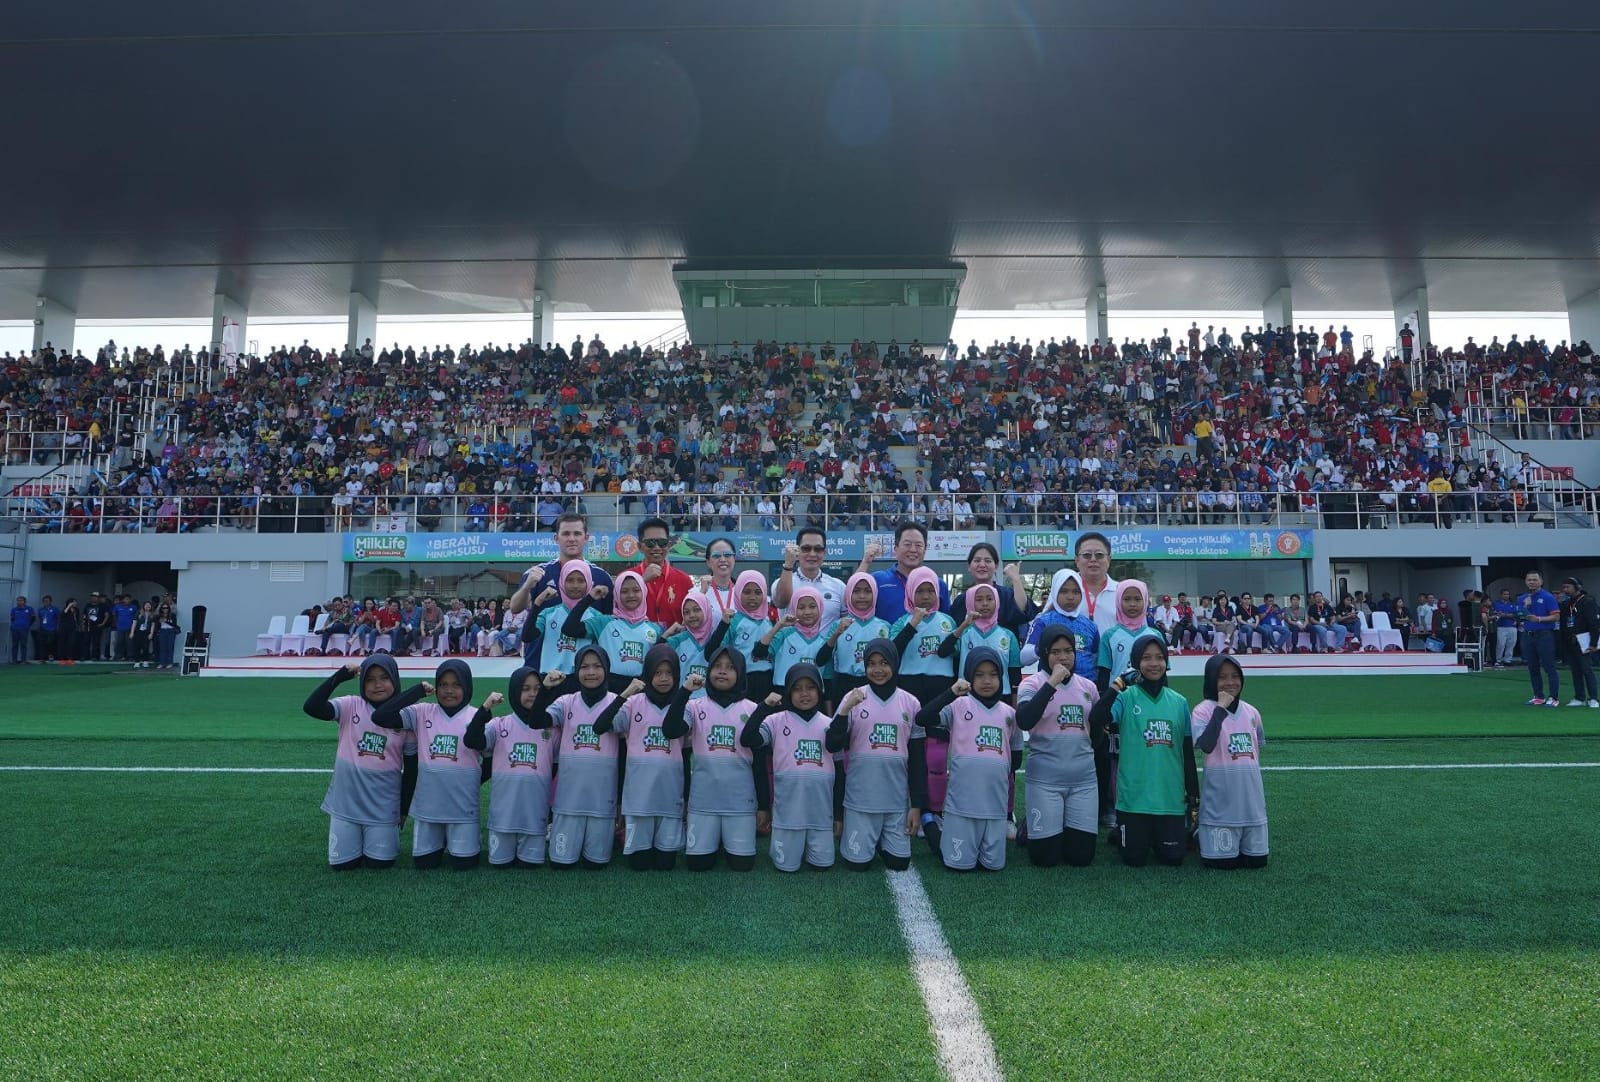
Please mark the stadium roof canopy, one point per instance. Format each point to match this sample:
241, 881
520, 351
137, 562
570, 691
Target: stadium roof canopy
443, 157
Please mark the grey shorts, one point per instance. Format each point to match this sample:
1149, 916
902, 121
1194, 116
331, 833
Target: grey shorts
1221, 843
348, 841
505, 847
588, 836
735, 834
966, 843
663, 832
1050, 811
789, 847
867, 832
460, 838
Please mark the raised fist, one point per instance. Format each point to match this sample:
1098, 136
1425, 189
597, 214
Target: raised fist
634, 687
671, 631
554, 678
600, 592
545, 596
874, 551
652, 572
856, 697
791, 552
427, 689
695, 682
774, 700
844, 624
787, 621
1060, 675
349, 669
960, 687
493, 700
1013, 572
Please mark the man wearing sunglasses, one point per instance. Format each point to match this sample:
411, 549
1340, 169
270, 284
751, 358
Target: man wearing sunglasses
802, 566
665, 586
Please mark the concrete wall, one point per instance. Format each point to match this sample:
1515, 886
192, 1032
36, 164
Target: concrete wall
721, 326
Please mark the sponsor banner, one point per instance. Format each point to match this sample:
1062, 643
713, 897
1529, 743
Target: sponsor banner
1262, 543
843, 548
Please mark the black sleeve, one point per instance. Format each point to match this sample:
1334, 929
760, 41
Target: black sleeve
928, 716
1208, 739
838, 737
608, 717
541, 707
1102, 680
825, 655
715, 641
1015, 676
917, 772
533, 627
473, 737
387, 716
750, 737
1100, 716
317, 704
674, 724
760, 651
1031, 712
573, 627
1191, 775
948, 647
408, 783
903, 640
758, 770
1016, 758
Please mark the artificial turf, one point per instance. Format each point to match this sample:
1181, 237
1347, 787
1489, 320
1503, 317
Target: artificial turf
1418, 923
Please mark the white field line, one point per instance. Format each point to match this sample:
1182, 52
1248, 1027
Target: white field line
966, 1053
1437, 766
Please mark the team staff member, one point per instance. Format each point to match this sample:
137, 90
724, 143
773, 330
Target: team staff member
665, 586
1505, 629
802, 566
572, 539
910, 549
1540, 626
1092, 555
1580, 628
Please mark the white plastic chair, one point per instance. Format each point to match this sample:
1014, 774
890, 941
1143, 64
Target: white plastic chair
272, 641
1379, 634
294, 643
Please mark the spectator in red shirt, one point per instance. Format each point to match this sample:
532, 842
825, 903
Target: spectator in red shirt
665, 585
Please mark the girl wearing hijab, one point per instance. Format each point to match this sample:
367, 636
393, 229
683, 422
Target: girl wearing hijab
858, 626
652, 785
449, 773
1054, 707
583, 825
798, 637
1157, 784
545, 645
1117, 645
751, 622
1064, 607
886, 787
727, 780
625, 635
698, 637
980, 730
924, 672
374, 769
981, 627
794, 727
1233, 806
523, 761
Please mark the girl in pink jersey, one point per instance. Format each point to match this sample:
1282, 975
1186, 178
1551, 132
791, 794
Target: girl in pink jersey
985, 752
728, 781
795, 727
374, 770
1233, 806
886, 784
582, 827
524, 763
1054, 706
652, 787
449, 774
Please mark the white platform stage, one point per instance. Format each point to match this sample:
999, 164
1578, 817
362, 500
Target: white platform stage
1408, 663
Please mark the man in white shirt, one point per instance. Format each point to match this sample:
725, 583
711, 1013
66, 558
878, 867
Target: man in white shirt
802, 566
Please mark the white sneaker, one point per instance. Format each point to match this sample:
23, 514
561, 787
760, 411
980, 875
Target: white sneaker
1552, 702
1576, 702
1594, 704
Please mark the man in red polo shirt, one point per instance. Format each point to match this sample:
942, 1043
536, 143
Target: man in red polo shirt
665, 586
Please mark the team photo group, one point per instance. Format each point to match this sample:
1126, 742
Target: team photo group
841, 719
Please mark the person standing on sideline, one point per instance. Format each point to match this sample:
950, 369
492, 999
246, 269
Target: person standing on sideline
1092, 557
802, 566
1580, 627
44, 638
1505, 629
22, 616
665, 586
910, 549
1540, 624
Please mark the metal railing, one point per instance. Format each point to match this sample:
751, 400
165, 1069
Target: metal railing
1536, 422
1574, 508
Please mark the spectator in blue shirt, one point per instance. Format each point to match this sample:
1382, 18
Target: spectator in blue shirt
1506, 613
46, 635
21, 623
1543, 615
122, 617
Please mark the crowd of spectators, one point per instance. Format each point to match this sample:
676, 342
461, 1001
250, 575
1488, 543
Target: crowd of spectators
1202, 428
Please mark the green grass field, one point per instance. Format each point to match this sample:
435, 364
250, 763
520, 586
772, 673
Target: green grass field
1424, 924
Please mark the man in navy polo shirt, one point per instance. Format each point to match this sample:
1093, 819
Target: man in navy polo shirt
48, 632
910, 548
122, 614
1539, 626
22, 616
